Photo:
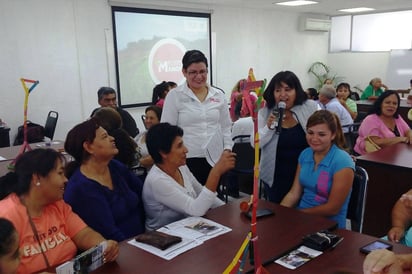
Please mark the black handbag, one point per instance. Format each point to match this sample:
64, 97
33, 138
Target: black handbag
321, 240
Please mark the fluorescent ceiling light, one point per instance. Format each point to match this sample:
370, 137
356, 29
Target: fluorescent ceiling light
362, 9
296, 3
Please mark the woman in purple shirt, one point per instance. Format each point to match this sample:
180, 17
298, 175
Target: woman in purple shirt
102, 191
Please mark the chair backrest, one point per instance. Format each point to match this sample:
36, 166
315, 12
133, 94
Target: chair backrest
51, 123
355, 96
245, 154
361, 115
351, 136
356, 207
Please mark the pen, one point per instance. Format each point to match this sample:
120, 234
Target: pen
336, 244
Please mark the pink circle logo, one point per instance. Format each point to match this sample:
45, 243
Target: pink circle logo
165, 61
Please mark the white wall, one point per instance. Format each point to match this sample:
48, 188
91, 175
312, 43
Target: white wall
265, 40
359, 68
61, 43
67, 45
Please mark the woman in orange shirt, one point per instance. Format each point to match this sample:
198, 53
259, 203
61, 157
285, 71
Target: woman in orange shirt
50, 232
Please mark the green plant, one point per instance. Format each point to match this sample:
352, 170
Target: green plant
322, 72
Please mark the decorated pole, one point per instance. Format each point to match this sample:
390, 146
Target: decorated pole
260, 86
251, 246
25, 146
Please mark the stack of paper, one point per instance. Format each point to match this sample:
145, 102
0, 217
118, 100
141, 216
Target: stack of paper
193, 231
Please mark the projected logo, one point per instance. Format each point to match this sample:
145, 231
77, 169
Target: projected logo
165, 61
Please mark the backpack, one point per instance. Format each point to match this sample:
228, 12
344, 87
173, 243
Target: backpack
35, 134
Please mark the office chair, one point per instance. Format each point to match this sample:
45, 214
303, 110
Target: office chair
51, 123
244, 167
361, 115
356, 207
351, 136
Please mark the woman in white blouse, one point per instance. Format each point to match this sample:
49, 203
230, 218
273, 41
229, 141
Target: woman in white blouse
201, 111
171, 192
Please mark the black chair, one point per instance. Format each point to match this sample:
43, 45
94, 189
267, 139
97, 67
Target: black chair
356, 207
244, 167
351, 136
245, 158
51, 123
355, 96
361, 115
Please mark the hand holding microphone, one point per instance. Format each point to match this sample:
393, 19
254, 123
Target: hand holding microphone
278, 112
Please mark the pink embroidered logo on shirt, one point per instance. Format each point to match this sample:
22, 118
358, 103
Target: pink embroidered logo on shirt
216, 100
322, 187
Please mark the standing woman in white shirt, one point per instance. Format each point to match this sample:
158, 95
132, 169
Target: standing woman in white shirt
200, 110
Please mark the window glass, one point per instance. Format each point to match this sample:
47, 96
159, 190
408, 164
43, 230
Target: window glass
372, 32
340, 33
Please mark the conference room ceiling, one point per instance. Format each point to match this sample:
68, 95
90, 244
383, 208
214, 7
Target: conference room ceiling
324, 7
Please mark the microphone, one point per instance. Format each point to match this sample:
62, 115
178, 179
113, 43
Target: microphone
281, 110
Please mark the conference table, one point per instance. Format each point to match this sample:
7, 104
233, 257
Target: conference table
390, 175
277, 234
8, 154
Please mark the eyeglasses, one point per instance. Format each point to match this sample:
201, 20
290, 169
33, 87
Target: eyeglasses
196, 73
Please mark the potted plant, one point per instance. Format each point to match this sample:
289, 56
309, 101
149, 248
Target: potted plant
322, 72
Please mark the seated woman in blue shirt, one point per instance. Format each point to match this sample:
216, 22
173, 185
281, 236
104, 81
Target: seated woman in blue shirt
325, 171
101, 190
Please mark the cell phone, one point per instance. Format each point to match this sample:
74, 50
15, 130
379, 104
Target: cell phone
260, 213
378, 244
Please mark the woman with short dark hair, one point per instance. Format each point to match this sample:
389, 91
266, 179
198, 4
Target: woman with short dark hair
105, 193
152, 117
281, 145
171, 192
343, 93
201, 111
384, 125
